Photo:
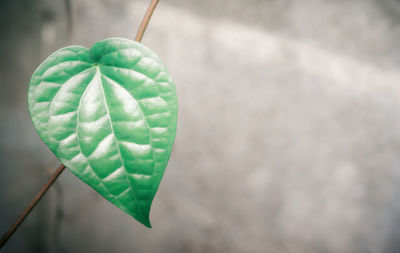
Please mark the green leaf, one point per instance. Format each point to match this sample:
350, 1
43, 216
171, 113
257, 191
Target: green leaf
109, 115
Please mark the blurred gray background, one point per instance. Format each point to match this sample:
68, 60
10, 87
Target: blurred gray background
288, 133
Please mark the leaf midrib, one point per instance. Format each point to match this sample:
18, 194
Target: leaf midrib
98, 72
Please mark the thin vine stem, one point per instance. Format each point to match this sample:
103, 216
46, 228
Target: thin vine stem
61, 167
31, 205
146, 19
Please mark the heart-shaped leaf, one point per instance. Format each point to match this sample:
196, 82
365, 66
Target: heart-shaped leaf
109, 115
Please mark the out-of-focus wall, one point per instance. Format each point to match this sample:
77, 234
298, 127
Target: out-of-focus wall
288, 136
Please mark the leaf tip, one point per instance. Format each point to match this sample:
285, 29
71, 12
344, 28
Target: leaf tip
146, 222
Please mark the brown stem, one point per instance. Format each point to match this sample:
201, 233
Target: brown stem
31, 205
61, 167
146, 19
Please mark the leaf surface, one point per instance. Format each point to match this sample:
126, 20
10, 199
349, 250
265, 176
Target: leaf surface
109, 115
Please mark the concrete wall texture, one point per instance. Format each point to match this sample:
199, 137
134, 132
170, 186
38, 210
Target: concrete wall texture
288, 136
